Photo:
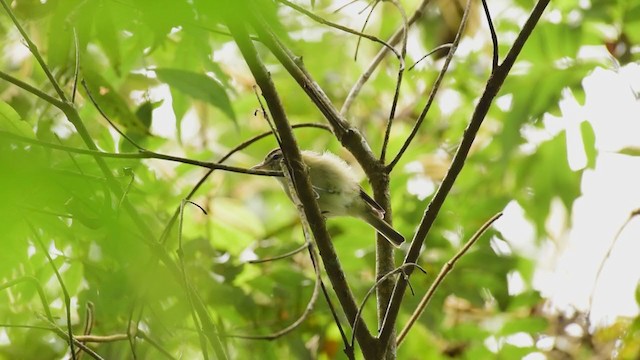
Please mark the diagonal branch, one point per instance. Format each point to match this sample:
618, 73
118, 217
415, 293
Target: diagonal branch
299, 175
397, 36
323, 21
142, 154
446, 268
435, 88
491, 90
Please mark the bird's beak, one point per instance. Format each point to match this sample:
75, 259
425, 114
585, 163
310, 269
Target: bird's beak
261, 166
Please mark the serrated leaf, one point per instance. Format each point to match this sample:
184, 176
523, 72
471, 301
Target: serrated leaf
198, 86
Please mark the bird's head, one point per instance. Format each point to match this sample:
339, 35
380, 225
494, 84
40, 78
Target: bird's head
271, 161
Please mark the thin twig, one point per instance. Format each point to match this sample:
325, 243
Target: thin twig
633, 214
187, 284
357, 87
323, 21
143, 154
446, 268
348, 350
67, 298
88, 325
494, 37
34, 50
364, 26
122, 133
76, 67
435, 88
61, 333
399, 269
280, 257
396, 95
482, 108
441, 47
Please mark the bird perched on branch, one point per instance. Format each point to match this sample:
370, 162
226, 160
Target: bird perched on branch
337, 190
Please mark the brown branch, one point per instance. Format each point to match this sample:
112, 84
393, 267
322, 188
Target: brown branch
355, 89
435, 88
300, 177
143, 154
446, 268
491, 90
323, 21
61, 333
378, 283
396, 95
308, 244
494, 37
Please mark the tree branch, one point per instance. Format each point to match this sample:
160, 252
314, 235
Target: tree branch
491, 90
299, 175
143, 154
435, 88
355, 89
446, 268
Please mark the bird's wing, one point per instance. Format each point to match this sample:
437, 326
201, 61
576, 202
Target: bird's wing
374, 205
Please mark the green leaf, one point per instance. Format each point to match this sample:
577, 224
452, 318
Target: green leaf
198, 86
11, 122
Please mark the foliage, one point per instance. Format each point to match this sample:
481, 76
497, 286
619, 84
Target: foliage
169, 76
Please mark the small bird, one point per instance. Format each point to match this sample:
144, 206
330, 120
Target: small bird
337, 190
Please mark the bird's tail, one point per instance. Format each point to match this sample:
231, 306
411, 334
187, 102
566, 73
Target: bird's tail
394, 237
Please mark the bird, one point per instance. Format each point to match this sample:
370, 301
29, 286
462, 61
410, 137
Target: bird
337, 190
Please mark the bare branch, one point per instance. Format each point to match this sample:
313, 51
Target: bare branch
306, 230
399, 269
446, 268
396, 95
435, 88
76, 67
441, 47
494, 37
143, 154
282, 256
397, 36
323, 21
632, 215
95, 103
294, 161
491, 90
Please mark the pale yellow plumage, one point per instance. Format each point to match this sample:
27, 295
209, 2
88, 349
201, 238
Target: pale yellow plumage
337, 189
